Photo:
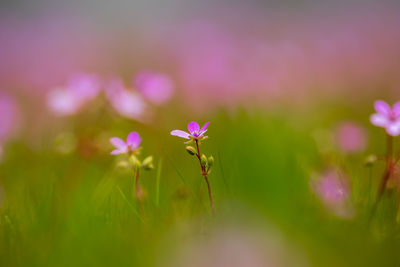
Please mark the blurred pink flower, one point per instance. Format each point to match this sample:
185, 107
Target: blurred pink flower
132, 143
387, 117
68, 100
332, 188
238, 247
351, 137
125, 102
155, 87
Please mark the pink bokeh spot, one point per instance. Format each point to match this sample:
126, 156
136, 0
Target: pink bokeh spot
70, 99
126, 103
156, 87
351, 137
332, 188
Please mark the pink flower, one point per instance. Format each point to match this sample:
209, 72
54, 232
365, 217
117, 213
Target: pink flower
132, 143
194, 131
351, 137
126, 103
68, 100
155, 87
387, 117
332, 188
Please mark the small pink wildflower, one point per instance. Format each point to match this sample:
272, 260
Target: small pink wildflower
155, 87
387, 117
131, 145
194, 131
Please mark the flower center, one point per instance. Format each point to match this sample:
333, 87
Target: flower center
392, 116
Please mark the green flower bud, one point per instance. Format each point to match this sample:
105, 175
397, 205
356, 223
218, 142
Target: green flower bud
210, 161
148, 163
135, 162
370, 160
123, 164
203, 160
191, 150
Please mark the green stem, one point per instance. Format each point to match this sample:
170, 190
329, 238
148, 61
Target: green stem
204, 173
158, 182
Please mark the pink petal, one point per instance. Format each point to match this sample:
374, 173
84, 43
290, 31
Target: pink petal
180, 133
382, 108
396, 109
379, 120
117, 151
133, 140
193, 127
393, 129
118, 143
204, 128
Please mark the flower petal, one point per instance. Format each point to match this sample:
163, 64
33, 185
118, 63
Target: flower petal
193, 127
133, 140
118, 142
396, 109
382, 108
393, 129
180, 133
117, 151
204, 128
379, 120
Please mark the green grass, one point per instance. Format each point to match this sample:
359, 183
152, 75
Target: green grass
79, 210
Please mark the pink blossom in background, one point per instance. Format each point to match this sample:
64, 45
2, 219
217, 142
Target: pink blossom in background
126, 103
308, 56
154, 86
238, 247
130, 145
332, 188
351, 137
79, 90
9, 116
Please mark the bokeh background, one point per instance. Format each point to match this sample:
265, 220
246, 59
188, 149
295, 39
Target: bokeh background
288, 87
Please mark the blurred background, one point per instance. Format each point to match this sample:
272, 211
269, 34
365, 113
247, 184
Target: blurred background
288, 87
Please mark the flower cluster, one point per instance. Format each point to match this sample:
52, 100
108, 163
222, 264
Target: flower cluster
148, 87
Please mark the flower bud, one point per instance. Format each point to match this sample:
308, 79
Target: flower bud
148, 163
135, 162
191, 150
203, 160
123, 164
370, 160
210, 161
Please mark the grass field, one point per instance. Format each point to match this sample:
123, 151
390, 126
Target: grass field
78, 208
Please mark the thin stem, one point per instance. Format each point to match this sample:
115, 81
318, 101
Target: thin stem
210, 195
129, 203
204, 173
139, 193
158, 182
369, 185
386, 174
389, 144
